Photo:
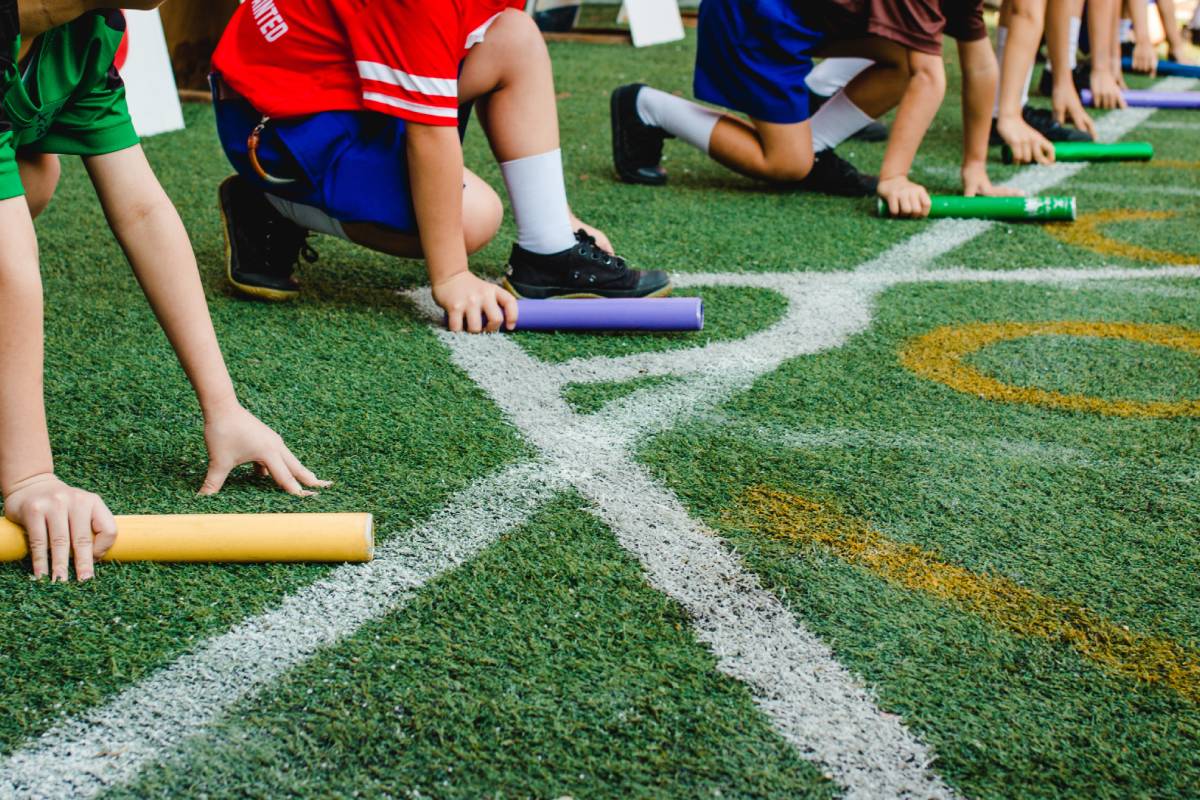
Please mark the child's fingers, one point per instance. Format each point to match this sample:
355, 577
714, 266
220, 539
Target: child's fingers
303, 473
58, 528
105, 527
454, 320
1044, 152
284, 479
80, 519
475, 318
509, 304
35, 530
495, 317
215, 478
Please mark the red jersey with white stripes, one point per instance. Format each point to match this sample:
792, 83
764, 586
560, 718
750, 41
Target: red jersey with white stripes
397, 57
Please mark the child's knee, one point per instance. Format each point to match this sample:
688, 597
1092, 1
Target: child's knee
482, 214
517, 33
787, 168
39, 175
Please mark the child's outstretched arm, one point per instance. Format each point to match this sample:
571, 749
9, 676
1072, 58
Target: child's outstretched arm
57, 518
1027, 19
149, 229
1145, 60
1068, 108
918, 106
980, 74
436, 170
1102, 34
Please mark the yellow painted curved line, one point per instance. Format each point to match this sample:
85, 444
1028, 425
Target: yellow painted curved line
938, 356
996, 599
1172, 163
1085, 232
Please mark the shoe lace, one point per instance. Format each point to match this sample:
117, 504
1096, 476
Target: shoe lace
586, 246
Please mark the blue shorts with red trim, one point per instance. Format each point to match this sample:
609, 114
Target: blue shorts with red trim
352, 165
753, 56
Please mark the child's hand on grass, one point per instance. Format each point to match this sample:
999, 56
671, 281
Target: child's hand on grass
59, 519
903, 197
1106, 92
467, 300
1027, 145
1145, 60
237, 437
1068, 109
977, 183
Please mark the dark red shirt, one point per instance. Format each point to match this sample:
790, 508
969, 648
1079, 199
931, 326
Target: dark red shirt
916, 24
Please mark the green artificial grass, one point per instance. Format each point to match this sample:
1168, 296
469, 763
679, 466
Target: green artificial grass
547, 667
1097, 511
583, 683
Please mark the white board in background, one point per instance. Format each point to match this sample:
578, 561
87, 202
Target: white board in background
652, 21
149, 80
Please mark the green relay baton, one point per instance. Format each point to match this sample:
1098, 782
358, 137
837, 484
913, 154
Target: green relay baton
1094, 151
1043, 209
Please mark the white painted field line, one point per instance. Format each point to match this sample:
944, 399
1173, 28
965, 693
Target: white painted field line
152, 719
814, 703
1164, 125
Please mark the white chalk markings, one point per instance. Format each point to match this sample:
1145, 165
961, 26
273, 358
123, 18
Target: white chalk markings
813, 702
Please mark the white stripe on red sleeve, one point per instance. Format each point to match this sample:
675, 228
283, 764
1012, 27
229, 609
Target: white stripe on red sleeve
420, 84
407, 105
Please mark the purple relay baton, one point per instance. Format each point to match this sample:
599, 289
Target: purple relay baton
1145, 98
641, 314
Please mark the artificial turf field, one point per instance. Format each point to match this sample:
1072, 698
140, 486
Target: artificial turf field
917, 513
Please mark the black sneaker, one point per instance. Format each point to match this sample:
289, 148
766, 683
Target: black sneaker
832, 174
1081, 76
262, 247
1042, 120
637, 147
584, 270
875, 132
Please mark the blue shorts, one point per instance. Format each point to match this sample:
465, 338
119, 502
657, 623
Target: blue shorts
753, 56
352, 165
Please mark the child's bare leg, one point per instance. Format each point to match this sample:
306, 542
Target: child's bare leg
508, 76
764, 150
482, 214
39, 175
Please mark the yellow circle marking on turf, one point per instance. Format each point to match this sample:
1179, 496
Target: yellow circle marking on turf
1085, 232
939, 354
999, 600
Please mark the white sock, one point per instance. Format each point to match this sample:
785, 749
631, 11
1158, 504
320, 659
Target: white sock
1001, 41
834, 74
691, 122
308, 217
837, 121
539, 200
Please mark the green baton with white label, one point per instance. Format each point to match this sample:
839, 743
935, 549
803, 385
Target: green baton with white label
1042, 209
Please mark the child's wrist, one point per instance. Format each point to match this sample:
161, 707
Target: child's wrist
30, 480
219, 405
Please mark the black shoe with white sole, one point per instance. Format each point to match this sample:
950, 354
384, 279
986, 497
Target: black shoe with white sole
584, 270
262, 247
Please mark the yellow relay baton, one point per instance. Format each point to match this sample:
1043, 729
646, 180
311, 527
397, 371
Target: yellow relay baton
227, 538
